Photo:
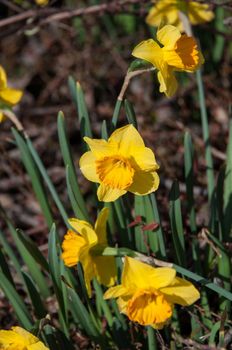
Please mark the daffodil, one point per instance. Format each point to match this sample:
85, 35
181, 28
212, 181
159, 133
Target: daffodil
121, 164
176, 53
18, 338
8, 96
83, 243
167, 11
147, 294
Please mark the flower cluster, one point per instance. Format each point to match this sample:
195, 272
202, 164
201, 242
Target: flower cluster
167, 11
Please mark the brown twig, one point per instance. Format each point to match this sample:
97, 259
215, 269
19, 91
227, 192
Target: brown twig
128, 78
114, 6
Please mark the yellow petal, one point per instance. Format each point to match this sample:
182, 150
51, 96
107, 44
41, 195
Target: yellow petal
7, 337
100, 148
71, 246
144, 183
88, 267
84, 229
168, 82
199, 13
144, 159
150, 51
2, 117
117, 291
123, 302
105, 270
37, 346
181, 292
10, 96
126, 138
100, 226
168, 36
138, 275
88, 166
148, 308
25, 334
185, 56
3, 78
162, 12
108, 194
115, 171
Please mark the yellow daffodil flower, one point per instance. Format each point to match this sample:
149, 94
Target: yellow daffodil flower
81, 246
18, 338
147, 294
178, 53
8, 96
121, 164
167, 11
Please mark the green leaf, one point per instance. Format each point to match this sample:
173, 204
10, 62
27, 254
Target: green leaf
47, 180
36, 300
34, 176
68, 161
177, 224
16, 302
130, 113
4, 267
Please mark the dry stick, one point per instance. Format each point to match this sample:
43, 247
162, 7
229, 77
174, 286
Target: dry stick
13, 118
61, 15
128, 77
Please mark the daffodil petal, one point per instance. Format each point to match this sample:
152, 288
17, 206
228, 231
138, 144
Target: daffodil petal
37, 346
137, 274
162, 12
108, 194
71, 246
181, 292
144, 183
105, 270
100, 148
88, 267
150, 51
3, 78
115, 292
100, 226
126, 138
84, 229
144, 159
168, 82
88, 166
168, 36
199, 13
123, 302
10, 96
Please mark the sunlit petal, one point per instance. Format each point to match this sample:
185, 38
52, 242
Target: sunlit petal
88, 166
181, 292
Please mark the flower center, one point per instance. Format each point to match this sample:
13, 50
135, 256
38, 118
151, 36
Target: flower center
149, 308
185, 55
115, 172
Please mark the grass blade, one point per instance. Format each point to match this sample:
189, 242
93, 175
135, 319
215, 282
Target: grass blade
68, 161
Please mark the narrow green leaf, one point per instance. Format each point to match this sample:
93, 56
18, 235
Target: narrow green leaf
130, 113
16, 302
189, 179
34, 176
47, 180
177, 224
83, 113
36, 300
68, 161
117, 109
4, 267
80, 312
159, 231
103, 304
